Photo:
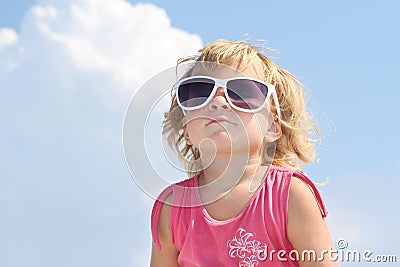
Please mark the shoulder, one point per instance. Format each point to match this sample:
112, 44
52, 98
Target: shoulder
302, 199
173, 195
163, 250
160, 215
163, 223
306, 227
305, 222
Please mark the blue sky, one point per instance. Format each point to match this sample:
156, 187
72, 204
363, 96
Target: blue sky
68, 70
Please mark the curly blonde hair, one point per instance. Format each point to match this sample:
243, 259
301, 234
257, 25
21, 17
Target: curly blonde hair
294, 148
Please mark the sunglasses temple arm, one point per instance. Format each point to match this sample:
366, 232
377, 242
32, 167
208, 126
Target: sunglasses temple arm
278, 109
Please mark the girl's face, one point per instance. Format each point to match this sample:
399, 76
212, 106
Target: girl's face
219, 128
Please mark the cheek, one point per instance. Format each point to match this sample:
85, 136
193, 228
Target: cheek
258, 126
193, 129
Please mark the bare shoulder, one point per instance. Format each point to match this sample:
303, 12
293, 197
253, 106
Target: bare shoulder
303, 208
302, 198
168, 254
306, 227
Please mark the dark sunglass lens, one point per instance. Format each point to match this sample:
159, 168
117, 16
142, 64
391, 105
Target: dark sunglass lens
194, 92
247, 94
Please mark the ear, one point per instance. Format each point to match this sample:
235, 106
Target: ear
274, 132
185, 132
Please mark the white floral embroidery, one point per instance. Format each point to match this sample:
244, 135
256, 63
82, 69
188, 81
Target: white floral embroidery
249, 262
243, 245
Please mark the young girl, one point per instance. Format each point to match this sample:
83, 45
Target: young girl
241, 123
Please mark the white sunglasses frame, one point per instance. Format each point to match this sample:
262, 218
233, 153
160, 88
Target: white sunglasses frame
223, 83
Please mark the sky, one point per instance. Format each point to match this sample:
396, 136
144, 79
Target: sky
69, 71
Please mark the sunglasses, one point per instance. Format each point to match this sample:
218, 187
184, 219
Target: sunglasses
242, 93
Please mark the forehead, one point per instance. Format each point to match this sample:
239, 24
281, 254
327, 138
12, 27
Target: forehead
253, 69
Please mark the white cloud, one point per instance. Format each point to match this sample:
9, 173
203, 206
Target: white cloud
8, 37
8, 42
127, 42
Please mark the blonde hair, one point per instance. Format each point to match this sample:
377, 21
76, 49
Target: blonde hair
294, 148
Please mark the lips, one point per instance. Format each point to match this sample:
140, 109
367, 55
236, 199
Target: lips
218, 120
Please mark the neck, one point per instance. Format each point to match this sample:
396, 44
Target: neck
227, 171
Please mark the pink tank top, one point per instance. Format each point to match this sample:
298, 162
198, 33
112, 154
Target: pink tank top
254, 237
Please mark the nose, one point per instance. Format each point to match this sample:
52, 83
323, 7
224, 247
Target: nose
219, 101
